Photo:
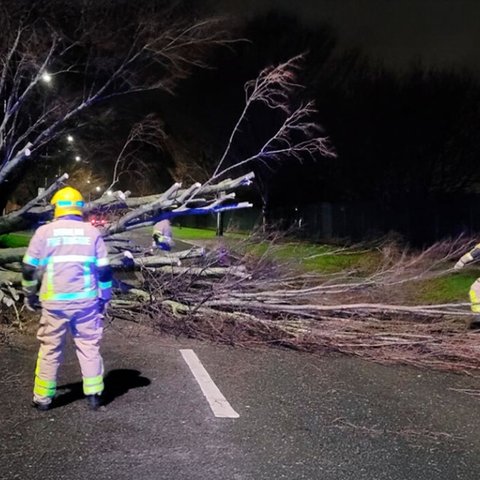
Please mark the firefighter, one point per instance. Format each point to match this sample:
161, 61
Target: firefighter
66, 272
474, 292
162, 235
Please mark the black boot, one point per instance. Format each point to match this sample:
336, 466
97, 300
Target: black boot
475, 323
94, 402
42, 407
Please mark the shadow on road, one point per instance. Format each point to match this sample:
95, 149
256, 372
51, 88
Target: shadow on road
117, 383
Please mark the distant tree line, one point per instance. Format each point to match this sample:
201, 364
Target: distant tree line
406, 141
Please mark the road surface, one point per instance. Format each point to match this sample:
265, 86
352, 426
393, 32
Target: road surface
298, 416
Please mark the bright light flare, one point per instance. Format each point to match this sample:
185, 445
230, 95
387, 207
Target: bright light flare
46, 77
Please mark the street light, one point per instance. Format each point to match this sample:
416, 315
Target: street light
46, 77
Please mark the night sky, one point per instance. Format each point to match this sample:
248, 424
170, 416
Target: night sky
397, 89
440, 33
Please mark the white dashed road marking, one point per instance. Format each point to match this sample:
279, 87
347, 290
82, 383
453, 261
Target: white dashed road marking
218, 403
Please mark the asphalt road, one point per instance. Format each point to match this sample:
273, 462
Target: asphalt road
300, 417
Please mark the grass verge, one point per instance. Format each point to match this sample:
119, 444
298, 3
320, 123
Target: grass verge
13, 240
452, 288
322, 258
187, 233
318, 257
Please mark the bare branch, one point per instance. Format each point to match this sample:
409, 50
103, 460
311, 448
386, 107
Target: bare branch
272, 87
179, 46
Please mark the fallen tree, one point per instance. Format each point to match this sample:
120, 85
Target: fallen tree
277, 305
137, 213
224, 293
231, 296
297, 135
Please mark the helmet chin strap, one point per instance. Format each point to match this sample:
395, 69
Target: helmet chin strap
70, 216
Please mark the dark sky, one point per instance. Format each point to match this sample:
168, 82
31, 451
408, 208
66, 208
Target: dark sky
441, 33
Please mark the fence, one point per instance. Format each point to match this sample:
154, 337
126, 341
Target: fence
236, 220
418, 222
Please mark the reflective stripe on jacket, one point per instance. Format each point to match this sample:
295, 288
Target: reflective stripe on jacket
69, 252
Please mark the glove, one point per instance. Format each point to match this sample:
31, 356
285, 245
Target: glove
102, 305
31, 303
459, 265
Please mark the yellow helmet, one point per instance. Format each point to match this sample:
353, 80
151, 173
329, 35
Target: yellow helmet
67, 201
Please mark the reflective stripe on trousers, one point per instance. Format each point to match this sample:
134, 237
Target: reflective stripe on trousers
86, 327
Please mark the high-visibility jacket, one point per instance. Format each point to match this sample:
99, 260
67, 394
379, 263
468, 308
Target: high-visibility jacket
474, 292
472, 255
70, 257
162, 234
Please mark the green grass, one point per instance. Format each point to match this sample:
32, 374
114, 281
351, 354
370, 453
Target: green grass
307, 256
317, 257
13, 240
452, 288
187, 233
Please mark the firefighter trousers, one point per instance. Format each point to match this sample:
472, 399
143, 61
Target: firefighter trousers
86, 327
475, 296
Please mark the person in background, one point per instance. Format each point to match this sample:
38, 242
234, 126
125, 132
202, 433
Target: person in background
66, 273
474, 292
162, 235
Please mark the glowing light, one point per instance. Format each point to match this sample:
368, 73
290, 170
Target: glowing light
46, 77
98, 189
109, 193
77, 158
69, 138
